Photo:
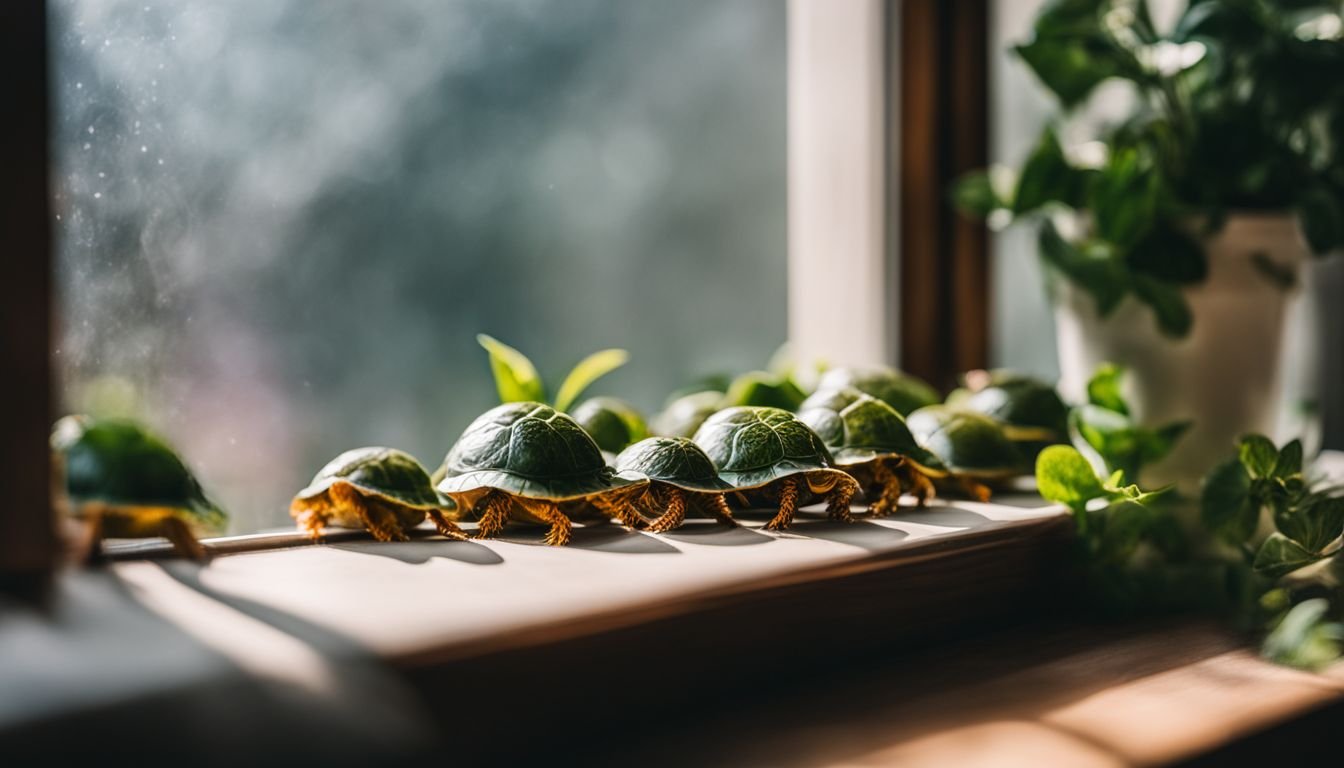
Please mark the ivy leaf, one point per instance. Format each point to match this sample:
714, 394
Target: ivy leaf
589, 370
973, 195
1064, 477
1289, 460
1095, 270
1258, 455
516, 378
1225, 504
1123, 198
1303, 638
1314, 523
1280, 556
1047, 177
1168, 303
1103, 388
1166, 253
1070, 51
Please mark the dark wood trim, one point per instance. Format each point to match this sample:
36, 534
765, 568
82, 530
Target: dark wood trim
943, 133
27, 535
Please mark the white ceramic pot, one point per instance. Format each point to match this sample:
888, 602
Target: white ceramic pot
1227, 375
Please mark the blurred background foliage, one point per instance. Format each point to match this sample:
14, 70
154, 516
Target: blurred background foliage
282, 223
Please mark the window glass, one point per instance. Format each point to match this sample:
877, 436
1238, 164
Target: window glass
281, 223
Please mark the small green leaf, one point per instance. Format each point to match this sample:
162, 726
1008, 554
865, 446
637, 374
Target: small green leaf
1047, 178
1103, 388
1280, 556
1258, 454
516, 378
1126, 523
1168, 303
1315, 523
1123, 198
1064, 476
1225, 503
1303, 638
1289, 460
1095, 270
973, 195
1155, 444
589, 370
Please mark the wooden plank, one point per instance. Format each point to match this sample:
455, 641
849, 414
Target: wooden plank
27, 537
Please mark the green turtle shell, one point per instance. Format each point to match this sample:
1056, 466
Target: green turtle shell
755, 445
119, 463
968, 443
901, 391
673, 460
1030, 409
613, 424
684, 415
385, 472
528, 450
858, 428
763, 388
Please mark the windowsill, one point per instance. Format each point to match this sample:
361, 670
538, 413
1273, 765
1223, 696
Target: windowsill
392, 647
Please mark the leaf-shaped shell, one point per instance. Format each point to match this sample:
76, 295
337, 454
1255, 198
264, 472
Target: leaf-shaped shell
387, 472
120, 465
673, 460
612, 423
753, 446
858, 428
529, 450
901, 391
968, 443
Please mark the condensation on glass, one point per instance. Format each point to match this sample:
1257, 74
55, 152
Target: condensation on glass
281, 223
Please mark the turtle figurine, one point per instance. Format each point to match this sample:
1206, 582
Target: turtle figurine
972, 446
871, 442
900, 390
125, 482
1032, 412
612, 423
680, 475
767, 455
383, 490
527, 462
684, 414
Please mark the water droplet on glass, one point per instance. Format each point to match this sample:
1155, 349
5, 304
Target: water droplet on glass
97, 195
143, 148
90, 129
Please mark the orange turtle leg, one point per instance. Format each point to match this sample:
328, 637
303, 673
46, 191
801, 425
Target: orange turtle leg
310, 518
186, 544
890, 493
674, 510
788, 504
977, 491
561, 528
493, 509
446, 528
717, 507
922, 486
380, 522
91, 547
619, 508
837, 501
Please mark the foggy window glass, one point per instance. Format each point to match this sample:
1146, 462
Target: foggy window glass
281, 223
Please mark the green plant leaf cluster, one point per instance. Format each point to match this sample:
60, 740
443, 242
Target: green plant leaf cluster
1239, 107
1104, 428
1264, 480
517, 380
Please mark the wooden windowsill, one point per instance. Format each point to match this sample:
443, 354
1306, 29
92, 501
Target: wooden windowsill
387, 648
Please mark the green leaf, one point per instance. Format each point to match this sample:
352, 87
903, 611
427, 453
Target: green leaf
1064, 477
1314, 524
1280, 556
1322, 217
973, 195
1155, 444
1168, 303
1123, 198
1303, 638
1070, 51
1126, 523
1289, 460
1111, 435
589, 370
1047, 178
762, 388
1258, 455
516, 378
1096, 271
1103, 388
1169, 254
1225, 504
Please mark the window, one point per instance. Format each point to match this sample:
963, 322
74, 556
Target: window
280, 224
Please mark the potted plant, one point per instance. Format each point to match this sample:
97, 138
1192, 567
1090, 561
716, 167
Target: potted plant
1175, 239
